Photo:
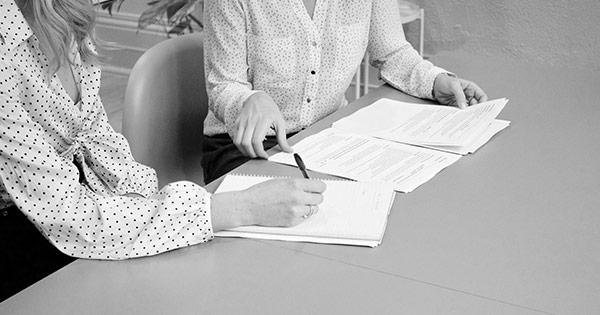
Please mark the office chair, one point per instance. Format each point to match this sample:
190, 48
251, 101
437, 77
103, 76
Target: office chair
165, 107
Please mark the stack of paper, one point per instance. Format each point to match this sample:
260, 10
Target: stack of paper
352, 213
366, 158
401, 143
443, 128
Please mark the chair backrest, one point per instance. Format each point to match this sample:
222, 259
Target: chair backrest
165, 107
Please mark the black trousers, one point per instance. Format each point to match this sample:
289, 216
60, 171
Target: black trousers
220, 155
25, 255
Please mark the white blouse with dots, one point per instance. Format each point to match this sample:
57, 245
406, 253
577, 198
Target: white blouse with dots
67, 170
305, 64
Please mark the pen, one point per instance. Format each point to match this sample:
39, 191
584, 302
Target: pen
301, 165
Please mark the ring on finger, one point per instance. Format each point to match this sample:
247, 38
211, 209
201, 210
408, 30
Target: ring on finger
311, 211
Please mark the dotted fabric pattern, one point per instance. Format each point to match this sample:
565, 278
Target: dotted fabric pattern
67, 170
305, 64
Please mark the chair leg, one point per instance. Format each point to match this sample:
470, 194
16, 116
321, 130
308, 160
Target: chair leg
422, 32
357, 82
366, 74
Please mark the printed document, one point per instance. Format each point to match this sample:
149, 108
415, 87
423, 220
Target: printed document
365, 158
423, 125
495, 127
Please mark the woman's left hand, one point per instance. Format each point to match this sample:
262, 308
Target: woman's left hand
449, 90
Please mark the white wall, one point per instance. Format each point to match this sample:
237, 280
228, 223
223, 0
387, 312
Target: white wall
548, 32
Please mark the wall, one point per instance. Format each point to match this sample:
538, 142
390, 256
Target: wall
547, 32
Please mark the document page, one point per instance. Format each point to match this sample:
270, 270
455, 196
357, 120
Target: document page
352, 213
366, 158
421, 124
495, 127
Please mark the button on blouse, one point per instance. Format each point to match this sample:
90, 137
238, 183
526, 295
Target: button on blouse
305, 64
68, 171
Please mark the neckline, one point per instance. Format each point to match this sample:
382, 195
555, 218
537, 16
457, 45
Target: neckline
310, 23
76, 75
76, 83
311, 15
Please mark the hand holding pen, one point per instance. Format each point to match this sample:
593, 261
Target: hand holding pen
302, 168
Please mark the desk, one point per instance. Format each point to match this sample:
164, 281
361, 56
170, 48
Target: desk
512, 229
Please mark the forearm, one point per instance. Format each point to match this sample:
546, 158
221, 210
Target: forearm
86, 225
400, 64
405, 70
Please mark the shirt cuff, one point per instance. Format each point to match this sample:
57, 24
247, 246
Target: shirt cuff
207, 201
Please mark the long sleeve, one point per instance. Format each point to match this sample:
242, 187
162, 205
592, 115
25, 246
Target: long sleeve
399, 63
80, 222
226, 63
112, 161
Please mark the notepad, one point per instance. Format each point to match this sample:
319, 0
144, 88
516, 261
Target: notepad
352, 213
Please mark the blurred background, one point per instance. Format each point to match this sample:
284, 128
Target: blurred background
475, 39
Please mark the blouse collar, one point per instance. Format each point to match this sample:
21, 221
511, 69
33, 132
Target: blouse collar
14, 29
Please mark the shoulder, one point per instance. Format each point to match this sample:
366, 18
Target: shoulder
14, 29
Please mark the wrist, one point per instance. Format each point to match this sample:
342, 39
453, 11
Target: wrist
436, 82
255, 94
229, 210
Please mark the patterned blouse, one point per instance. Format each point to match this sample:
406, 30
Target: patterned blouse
68, 171
305, 64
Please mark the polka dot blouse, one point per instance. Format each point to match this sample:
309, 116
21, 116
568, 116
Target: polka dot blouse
305, 64
68, 171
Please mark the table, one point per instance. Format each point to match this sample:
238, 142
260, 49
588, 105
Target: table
512, 229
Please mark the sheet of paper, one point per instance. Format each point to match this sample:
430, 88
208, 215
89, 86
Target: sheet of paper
366, 158
421, 124
352, 213
495, 127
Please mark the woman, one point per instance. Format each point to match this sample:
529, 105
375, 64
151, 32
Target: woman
64, 169
276, 67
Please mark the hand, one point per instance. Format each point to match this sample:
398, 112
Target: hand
449, 90
258, 115
277, 202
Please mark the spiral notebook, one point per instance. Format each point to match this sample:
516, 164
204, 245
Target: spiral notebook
352, 213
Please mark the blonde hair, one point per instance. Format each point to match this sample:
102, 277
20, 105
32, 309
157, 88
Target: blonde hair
64, 23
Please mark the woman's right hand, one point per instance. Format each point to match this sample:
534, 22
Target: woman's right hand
258, 115
277, 202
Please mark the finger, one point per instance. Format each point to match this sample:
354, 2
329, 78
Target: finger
258, 137
480, 94
247, 139
312, 199
469, 93
311, 210
475, 92
315, 209
310, 185
282, 136
306, 212
458, 93
237, 138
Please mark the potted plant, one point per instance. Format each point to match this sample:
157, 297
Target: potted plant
176, 15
